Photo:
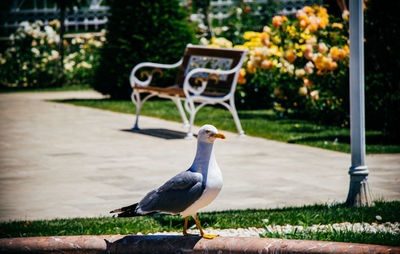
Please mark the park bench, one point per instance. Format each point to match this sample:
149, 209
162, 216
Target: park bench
205, 76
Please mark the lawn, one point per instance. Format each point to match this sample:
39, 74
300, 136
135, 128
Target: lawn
304, 216
259, 123
49, 89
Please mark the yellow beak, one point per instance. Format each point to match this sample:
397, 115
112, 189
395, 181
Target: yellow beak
218, 135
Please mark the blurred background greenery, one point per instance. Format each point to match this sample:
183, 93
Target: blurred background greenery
158, 31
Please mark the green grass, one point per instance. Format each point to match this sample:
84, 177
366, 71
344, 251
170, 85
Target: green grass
49, 89
381, 238
260, 123
305, 216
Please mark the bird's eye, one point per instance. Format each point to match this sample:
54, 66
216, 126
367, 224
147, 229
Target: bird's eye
208, 132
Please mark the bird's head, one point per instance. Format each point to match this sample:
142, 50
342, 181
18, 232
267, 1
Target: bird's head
208, 134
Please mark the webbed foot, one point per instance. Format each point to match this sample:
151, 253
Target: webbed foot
209, 236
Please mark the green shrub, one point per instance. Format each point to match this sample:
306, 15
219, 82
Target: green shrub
382, 65
139, 31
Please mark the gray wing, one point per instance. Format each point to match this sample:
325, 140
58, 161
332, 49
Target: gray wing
175, 195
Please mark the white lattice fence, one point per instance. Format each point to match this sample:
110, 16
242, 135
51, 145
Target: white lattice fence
93, 16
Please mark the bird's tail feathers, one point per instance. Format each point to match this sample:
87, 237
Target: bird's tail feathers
130, 211
127, 211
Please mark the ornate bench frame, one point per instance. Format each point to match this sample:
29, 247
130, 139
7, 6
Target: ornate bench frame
197, 86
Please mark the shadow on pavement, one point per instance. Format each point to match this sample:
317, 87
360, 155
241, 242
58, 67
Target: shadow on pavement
159, 133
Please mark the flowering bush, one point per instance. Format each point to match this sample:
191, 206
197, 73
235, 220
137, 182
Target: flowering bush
32, 56
33, 60
82, 58
298, 65
307, 61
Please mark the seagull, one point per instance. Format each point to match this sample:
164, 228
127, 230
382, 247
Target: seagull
188, 191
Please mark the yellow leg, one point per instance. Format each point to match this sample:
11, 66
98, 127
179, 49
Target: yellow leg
185, 233
201, 230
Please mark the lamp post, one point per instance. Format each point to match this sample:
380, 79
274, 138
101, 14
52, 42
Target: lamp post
359, 190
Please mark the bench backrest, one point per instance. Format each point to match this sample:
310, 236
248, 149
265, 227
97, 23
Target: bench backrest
212, 58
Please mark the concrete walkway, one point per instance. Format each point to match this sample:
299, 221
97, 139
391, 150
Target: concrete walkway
59, 160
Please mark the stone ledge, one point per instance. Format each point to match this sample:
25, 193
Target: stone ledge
179, 244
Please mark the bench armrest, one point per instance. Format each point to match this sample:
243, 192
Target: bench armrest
135, 81
187, 88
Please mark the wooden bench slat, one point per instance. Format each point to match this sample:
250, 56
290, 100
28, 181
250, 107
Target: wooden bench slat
166, 90
174, 91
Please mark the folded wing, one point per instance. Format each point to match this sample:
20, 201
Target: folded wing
175, 195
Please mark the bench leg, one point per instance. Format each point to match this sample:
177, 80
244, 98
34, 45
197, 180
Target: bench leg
178, 104
235, 116
232, 109
135, 97
139, 102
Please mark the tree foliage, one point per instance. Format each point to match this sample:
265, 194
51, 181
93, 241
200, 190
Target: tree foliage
138, 31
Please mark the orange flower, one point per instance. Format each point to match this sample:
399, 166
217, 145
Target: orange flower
290, 55
267, 29
241, 80
345, 15
301, 14
322, 48
300, 72
266, 64
309, 67
303, 24
323, 17
278, 93
264, 35
265, 41
308, 48
264, 38
308, 10
332, 65
303, 91
257, 52
242, 74
314, 94
277, 21
334, 53
321, 62
313, 26
323, 23
312, 18
250, 67
338, 54
344, 52
308, 52
337, 25
307, 82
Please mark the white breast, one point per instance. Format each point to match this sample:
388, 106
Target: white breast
213, 187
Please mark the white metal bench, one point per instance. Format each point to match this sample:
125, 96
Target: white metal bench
205, 76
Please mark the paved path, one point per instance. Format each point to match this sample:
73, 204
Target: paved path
59, 160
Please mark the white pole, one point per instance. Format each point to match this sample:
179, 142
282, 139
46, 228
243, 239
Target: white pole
359, 190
